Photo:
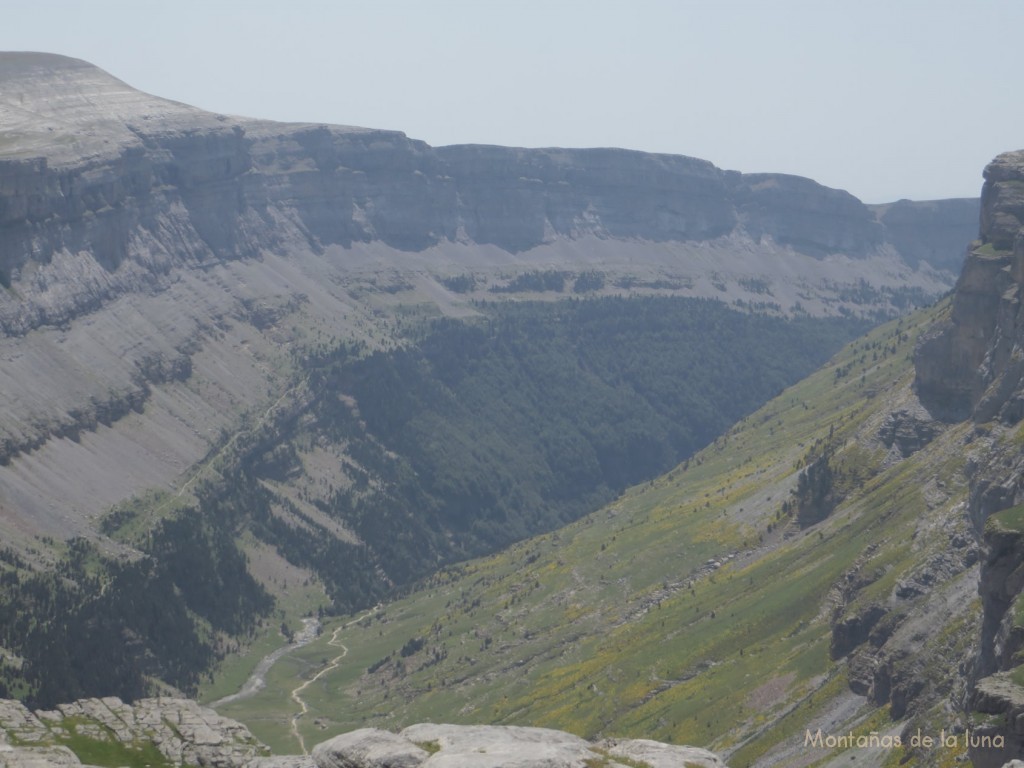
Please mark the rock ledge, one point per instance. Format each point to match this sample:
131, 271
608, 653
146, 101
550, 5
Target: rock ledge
185, 733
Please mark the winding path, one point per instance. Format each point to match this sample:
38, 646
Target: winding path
258, 679
296, 691
332, 665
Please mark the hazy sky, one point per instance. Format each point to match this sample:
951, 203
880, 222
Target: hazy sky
885, 98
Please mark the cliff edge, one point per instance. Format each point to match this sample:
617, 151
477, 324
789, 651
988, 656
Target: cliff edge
972, 364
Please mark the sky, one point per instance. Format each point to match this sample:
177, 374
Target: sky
887, 99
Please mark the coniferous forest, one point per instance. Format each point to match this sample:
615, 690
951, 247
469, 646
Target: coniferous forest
469, 436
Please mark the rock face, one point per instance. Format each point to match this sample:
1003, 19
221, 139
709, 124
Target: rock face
96, 201
114, 180
998, 697
186, 734
181, 730
973, 365
923, 231
146, 243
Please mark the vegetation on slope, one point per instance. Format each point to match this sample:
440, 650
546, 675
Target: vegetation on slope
99, 626
540, 413
694, 609
473, 435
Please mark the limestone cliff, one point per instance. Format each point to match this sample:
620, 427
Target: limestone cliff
923, 231
105, 190
972, 364
156, 261
972, 367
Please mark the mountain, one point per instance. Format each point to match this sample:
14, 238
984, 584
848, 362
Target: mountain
147, 244
253, 370
836, 579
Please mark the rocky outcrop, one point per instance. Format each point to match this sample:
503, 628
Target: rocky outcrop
105, 190
188, 734
998, 736
852, 631
973, 364
997, 697
1001, 582
907, 431
181, 730
429, 745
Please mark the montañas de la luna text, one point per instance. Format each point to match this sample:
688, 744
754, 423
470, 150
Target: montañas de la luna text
876, 740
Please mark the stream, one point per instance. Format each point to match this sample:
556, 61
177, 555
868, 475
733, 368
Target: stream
258, 679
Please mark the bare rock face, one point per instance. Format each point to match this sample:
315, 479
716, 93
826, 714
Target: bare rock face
105, 191
143, 241
659, 755
907, 431
974, 363
923, 230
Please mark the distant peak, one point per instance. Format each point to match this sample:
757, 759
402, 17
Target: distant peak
13, 63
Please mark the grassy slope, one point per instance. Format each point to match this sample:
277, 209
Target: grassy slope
618, 624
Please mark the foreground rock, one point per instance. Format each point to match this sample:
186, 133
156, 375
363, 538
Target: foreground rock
185, 733
182, 731
429, 745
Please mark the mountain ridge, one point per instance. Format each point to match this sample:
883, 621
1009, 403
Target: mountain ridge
846, 560
146, 246
174, 282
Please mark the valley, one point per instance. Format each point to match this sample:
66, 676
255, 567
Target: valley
835, 579
663, 612
615, 443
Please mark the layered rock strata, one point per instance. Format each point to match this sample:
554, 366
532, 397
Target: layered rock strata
974, 363
157, 262
972, 367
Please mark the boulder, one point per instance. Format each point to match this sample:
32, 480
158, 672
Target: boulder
369, 748
659, 755
38, 757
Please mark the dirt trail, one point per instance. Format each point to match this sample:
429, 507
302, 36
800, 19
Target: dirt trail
332, 665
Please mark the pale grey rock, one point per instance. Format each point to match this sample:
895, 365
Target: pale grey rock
493, 746
184, 732
369, 748
200, 736
17, 721
38, 757
497, 747
141, 241
659, 755
484, 746
282, 761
